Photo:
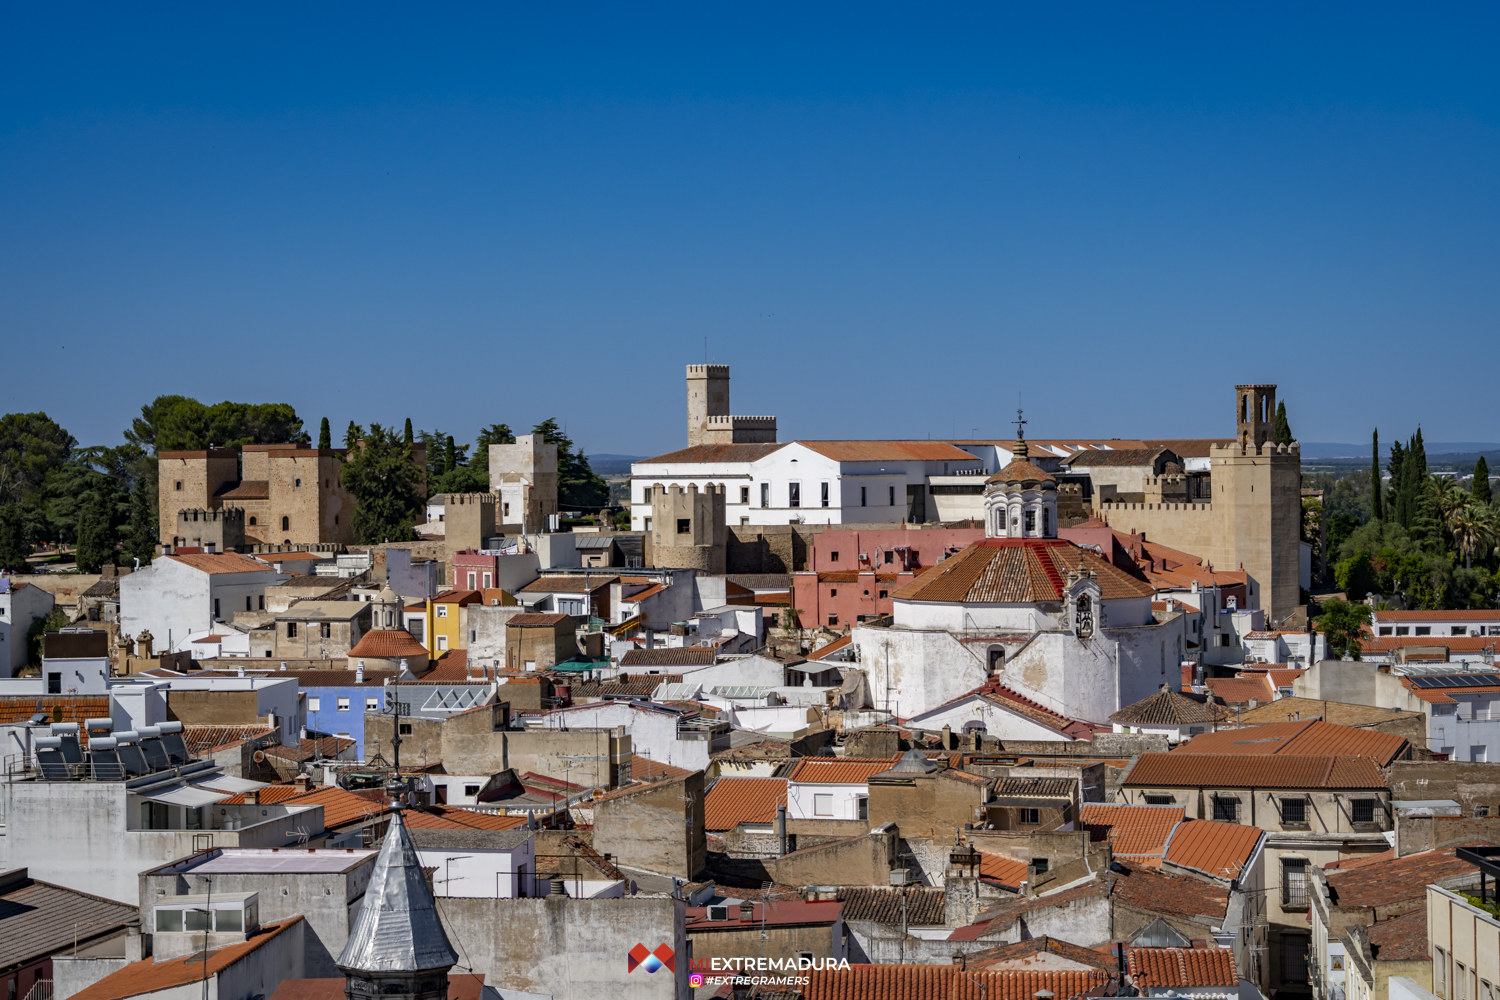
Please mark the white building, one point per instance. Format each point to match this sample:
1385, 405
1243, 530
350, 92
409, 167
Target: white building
182, 594
1273, 646
21, 603
1437, 623
500, 864
664, 734
1049, 621
833, 788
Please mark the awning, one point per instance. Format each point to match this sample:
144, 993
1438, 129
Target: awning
185, 796
225, 783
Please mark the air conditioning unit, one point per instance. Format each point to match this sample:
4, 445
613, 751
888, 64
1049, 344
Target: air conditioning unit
899, 876
718, 913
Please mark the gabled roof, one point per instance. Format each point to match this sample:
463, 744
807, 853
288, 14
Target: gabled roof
832, 647
679, 656
1396, 880
39, 919
1044, 945
151, 976
1146, 888
1186, 770
998, 694
569, 584
453, 818
1018, 571
1305, 709
1140, 833
713, 454
1170, 708
397, 928
924, 907
1241, 689
1158, 968
839, 770
1307, 738
947, 982
1219, 849
732, 801
1115, 458
1400, 939
223, 562
888, 451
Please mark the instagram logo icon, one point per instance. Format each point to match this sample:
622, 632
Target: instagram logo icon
695, 980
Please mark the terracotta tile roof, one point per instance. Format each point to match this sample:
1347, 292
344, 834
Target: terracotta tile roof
459, 597
311, 748
1115, 458
1018, 785
1490, 615
224, 562
924, 907
1169, 708
245, 489
340, 807
1452, 643
1159, 968
641, 595
452, 665
1139, 833
1180, 770
333, 678
451, 818
998, 694
1239, 690
1306, 738
1020, 951
832, 647
839, 770
535, 618
1396, 880
889, 451
391, 644
18, 708
998, 868
1305, 709
732, 801
679, 656
201, 740
645, 767
946, 982
714, 454
1017, 571
569, 584
1219, 849
1400, 939
638, 684
1022, 471
1361, 861
151, 976
1145, 888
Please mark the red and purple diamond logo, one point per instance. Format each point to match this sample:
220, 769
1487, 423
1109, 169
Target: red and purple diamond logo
651, 961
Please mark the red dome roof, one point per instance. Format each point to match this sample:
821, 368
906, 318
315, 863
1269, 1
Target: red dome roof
389, 644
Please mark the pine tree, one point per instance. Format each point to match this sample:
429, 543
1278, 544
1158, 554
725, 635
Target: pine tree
1283, 429
1481, 488
139, 537
325, 437
409, 438
1375, 484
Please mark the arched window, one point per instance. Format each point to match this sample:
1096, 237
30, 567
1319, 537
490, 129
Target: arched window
286, 524
252, 518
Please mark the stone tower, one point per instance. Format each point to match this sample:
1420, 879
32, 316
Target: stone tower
688, 529
397, 949
709, 421
468, 519
524, 476
1257, 504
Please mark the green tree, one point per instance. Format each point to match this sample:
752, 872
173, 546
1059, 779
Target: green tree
1356, 577
1397, 469
578, 486
13, 544
325, 436
1283, 429
352, 436
139, 536
31, 445
179, 423
1481, 487
385, 485
408, 438
1344, 624
96, 530
1340, 527
1375, 486
493, 434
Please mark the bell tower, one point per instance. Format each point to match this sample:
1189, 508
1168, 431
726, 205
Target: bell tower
1255, 415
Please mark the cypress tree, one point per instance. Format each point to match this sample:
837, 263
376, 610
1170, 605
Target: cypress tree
450, 455
139, 537
1413, 480
409, 439
325, 437
1376, 486
13, 547
351, 436
1397, 469
1481, 488
1283, 429
96, 544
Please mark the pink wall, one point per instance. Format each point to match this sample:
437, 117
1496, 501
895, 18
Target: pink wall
926, 546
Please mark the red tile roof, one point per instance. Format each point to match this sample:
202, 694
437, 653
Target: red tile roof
1307, 738
645, 767
1400, 939
570, 584
1139, 833
1239, 690
889, 451
732, 801
1022, 471
1149, 889
714, 454
536, 618
224, 562
839, 770
151, 976
946, 982
674, 656
58, 708
1017, 571
1179, 770
1219, 849
205, 739
1490, 615
449, 818
1159, 968
832, 647
998, 868
1396, 880
391, 644
998, 694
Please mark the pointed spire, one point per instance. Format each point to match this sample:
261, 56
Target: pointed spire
397, 929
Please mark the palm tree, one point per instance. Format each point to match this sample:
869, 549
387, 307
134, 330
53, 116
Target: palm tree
1473, 527
1449, 502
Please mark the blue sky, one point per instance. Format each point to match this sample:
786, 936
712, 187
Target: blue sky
889, 220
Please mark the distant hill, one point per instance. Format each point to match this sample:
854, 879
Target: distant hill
613, 465
1323, 449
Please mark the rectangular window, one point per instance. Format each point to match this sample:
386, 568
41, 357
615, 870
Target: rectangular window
1460, 981
1481, 710
216, 607
1159, 800
765, 494
684, 526
1440, 972
1460, 630
862, 807
291, 630
890, 556
825, 494
1031, 817
314, 704
1403, 630
417, 627
168, 921
247, 602
442, 611
472, 578
1294, 883
1422, 630
794, 494
833, 556
372, 704
343, 704
405, 728
822, 805
885, 593
648, 524
744, 494
1478, 754
1294, 810
891, 499
1362, 810
442, 642
1227, 810
261, 601
1029, 522
862, 496
325, 630
474, 633
1385, 630
833, 619
54, 683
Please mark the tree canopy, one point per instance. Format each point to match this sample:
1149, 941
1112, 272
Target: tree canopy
178, 423
384, 482
578, 486
1343, 624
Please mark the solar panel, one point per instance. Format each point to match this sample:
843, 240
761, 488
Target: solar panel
1455, 680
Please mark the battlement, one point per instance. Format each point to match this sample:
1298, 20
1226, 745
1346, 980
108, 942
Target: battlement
471, 499
733, 423
199, 515
1266, 450
707, 371
1205, 508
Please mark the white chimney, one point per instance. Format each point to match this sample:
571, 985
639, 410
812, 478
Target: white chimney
359, 673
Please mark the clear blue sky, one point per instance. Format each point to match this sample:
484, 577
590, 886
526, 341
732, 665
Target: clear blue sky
889, 220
